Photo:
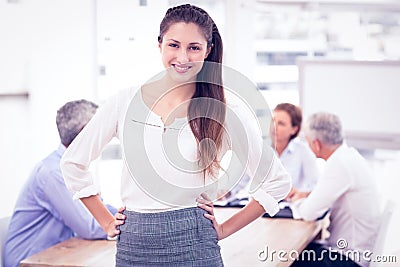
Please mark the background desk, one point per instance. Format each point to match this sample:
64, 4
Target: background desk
244, 247
241, 249
75, 252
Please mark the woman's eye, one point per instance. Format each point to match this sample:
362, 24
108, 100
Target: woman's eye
173, 45
195, 48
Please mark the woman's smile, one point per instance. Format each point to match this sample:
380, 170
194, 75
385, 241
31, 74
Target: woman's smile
181, 68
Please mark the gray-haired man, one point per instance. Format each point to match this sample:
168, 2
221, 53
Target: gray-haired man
346, 188
45, 213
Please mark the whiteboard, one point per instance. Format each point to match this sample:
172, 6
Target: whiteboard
364, 94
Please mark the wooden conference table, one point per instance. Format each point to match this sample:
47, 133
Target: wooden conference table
265, 242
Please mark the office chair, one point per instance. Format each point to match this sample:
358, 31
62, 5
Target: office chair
4, 222
383, 230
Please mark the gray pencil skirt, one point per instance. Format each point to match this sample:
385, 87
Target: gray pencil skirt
181, 237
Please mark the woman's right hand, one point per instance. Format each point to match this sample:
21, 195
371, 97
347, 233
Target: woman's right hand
119, 219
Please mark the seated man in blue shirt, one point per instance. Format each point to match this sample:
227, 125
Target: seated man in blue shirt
45, 213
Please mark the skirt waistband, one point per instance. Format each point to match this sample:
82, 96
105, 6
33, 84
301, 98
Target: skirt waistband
170, 214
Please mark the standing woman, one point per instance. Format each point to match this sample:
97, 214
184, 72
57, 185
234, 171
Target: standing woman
158, 232
295, 155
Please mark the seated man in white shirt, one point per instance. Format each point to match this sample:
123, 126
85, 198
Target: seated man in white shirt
347, 188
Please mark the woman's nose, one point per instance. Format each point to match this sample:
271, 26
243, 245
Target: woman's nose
182, 56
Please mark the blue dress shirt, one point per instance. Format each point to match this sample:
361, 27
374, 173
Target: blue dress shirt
45, 214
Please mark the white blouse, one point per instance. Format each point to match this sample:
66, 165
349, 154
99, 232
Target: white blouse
160, 170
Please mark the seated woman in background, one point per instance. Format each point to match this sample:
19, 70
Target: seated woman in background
295, 155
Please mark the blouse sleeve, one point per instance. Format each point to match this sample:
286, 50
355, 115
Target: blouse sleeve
270, 182
86, 147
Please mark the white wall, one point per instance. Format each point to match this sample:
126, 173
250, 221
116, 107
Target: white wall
47, 49
239, 41
127, 44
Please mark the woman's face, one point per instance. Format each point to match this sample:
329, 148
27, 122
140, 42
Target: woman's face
283, 126
183, 50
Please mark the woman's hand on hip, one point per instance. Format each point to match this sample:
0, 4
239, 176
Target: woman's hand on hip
206, 204
119, 219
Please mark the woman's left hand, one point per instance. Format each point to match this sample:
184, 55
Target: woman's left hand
119, 219
206, 204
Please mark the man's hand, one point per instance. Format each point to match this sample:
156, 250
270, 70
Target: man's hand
295, 194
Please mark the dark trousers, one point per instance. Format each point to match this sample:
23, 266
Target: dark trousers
322, 258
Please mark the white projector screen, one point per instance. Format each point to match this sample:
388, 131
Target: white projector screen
364, 94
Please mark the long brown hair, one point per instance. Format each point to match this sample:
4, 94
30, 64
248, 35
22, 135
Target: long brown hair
206, 118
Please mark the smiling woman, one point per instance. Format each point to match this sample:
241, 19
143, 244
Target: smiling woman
175, 130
